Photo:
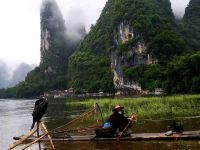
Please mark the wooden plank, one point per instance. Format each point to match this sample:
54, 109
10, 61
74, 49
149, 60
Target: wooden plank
189, 135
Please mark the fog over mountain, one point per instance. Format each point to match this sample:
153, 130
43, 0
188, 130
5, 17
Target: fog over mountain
20, 73
9, 78
4, 74
75, 24
89, 10
178, 7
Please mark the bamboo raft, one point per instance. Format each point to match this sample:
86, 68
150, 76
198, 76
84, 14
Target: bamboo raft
187, 135
26, 138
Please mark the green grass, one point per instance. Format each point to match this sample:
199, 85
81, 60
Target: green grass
148, 107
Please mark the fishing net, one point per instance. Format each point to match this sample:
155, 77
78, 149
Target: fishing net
84, 124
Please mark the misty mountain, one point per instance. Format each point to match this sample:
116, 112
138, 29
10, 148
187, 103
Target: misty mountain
58, 43
53, 49
10, 79
20, 73
4, 75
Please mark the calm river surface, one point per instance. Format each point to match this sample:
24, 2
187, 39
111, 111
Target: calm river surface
16, 119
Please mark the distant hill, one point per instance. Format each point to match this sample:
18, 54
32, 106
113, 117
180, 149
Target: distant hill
10, 79
20, 74
4, 75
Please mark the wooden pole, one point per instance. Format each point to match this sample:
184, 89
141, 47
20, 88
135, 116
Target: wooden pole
35, 141
46, 132
24, 138
38, 135
124, 130
133, 116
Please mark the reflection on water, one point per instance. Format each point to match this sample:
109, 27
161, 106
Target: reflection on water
153, 126
139, 145
16, 119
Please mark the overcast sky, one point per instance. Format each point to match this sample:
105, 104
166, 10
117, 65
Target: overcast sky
20, 25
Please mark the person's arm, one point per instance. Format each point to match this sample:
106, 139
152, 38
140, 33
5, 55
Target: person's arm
133, 118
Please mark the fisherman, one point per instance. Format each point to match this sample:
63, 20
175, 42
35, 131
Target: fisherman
119, 122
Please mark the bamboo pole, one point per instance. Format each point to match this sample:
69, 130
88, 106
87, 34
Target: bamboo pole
23, 138
46, 132
39, 138
38, 135
132, 117
35, 141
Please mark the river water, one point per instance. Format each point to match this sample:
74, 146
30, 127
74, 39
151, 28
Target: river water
16, 119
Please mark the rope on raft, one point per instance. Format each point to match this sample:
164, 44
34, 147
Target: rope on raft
79, 130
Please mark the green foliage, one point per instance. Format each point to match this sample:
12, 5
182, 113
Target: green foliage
195, 84
8, 93
33, 85
183, 74
190, 25
158, 107
149, 77
152, 21
166, 45
89, 73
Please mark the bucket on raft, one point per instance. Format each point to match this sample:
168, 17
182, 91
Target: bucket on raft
107, 130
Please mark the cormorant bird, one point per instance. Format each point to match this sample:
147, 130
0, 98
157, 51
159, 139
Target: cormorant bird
39, 110
176, 127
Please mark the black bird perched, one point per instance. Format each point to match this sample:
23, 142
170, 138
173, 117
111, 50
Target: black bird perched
176, 127
39, 110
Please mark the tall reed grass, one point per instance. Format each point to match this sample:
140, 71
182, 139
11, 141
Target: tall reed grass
147, 107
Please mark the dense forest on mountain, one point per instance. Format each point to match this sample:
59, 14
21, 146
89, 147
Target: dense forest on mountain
153, 22
160, 52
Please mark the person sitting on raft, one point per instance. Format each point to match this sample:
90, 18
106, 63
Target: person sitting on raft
119, 122
116, 124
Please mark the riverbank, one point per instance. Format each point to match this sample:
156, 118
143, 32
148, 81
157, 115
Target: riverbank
148, 107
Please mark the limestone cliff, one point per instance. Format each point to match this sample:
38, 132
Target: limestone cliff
134, 56
54, 52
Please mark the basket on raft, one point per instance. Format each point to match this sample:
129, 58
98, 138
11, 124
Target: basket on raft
107, 130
